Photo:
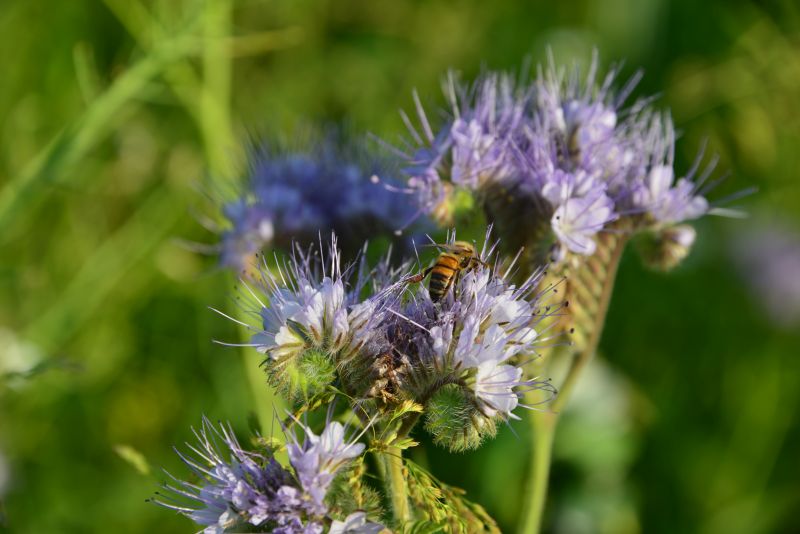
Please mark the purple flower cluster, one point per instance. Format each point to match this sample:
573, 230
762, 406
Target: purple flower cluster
564, 145
239, 487
291, 195
479, 335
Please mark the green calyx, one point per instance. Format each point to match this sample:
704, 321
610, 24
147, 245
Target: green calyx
305, 375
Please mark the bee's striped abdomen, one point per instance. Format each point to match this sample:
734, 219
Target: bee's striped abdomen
442, 276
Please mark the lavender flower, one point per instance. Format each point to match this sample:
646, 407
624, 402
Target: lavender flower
311, 309
356, 523
248, 488
768, 259
483, 324
383, 340
318, 458
563, 156
471, 150
293, 194
318, 320
253, 488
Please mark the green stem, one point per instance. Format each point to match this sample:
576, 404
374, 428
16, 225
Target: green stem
396, 487
544, 427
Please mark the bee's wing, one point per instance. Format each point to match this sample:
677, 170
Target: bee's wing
443, 247
436, 245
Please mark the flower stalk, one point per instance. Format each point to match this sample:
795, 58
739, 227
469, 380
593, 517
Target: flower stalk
544, 426
589, 285
396, 487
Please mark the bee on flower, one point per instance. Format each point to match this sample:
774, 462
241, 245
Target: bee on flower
383, 339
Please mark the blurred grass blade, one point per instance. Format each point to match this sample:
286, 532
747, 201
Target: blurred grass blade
86, 72
104, 270
77, 139
216, 94
133, 457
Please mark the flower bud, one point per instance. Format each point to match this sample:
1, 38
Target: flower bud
665, 249
304, 376
454, 420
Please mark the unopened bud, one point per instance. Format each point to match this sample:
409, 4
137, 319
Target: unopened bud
665, 249
308, 374
455, 421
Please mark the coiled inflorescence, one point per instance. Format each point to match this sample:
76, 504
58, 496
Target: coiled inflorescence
554, 161
383, 340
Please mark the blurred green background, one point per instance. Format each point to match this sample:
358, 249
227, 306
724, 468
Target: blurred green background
111, 114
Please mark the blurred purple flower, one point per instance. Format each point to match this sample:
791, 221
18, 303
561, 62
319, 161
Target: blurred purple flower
768, 256
293, 195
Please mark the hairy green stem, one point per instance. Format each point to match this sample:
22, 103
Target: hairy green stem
544, 427
396, 488
589, 289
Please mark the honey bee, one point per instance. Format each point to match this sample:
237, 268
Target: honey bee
455, 258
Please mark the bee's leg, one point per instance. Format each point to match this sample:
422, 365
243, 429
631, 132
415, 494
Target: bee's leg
477, 261
417, 278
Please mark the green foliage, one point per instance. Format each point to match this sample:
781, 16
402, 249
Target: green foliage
443, 507
302, 377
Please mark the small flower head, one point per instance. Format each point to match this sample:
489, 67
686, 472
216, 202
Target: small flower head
666, 248
317, 319
239, 488
466, 352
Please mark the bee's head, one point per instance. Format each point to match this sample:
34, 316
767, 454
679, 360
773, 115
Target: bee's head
464, 250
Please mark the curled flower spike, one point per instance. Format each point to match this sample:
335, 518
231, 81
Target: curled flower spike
555, 161
248, 488
293, 193
239, 487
